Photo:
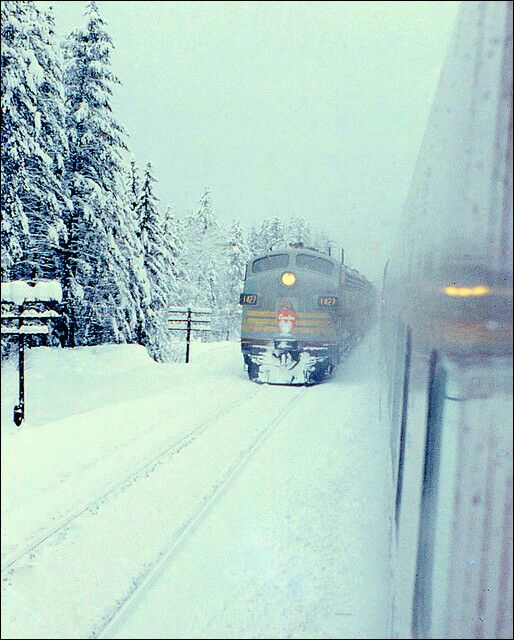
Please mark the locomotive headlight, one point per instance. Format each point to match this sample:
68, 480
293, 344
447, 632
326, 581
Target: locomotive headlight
288, 278
466, 292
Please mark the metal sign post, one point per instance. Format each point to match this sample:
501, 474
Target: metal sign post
189, 319
188, 335
20, 297
19, 409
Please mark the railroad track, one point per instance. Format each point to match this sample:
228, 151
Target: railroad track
125, 606
146, 467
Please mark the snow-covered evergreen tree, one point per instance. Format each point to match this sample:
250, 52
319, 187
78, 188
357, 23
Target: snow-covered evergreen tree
203, 250
205, 263
299, 232
253, 240
237, 255
174, 233
33, 143
271, 235
134, 253
159, 267
275, 234
18, 91
100, 307
46, 199
133, 190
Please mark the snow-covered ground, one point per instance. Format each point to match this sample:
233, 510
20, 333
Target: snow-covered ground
173, 501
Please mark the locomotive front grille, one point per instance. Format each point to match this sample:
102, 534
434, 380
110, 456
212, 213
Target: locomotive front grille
312, 322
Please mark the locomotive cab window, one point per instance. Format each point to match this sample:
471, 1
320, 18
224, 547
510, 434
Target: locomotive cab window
269, 263
314, 263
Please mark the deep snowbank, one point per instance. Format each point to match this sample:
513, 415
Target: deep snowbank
64, 382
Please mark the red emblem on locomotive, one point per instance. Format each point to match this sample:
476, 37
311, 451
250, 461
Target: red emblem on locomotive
286, 317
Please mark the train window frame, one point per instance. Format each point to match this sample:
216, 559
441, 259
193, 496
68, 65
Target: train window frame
276, 267
315, 260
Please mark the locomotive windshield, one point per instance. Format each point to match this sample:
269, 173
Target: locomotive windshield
268, 263
314, 263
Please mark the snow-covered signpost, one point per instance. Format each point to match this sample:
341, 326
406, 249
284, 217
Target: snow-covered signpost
19, 298
189, 319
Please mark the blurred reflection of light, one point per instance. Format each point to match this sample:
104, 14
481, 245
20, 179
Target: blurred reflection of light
464, 292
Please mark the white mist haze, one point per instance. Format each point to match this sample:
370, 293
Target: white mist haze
313, 109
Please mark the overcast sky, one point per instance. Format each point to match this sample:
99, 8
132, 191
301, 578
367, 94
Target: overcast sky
308, 108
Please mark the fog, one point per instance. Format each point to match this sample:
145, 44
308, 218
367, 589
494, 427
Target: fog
314, 109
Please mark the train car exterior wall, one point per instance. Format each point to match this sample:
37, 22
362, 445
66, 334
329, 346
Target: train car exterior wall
446, 343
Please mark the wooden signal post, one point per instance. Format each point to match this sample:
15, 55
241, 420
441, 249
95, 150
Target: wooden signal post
189, 319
